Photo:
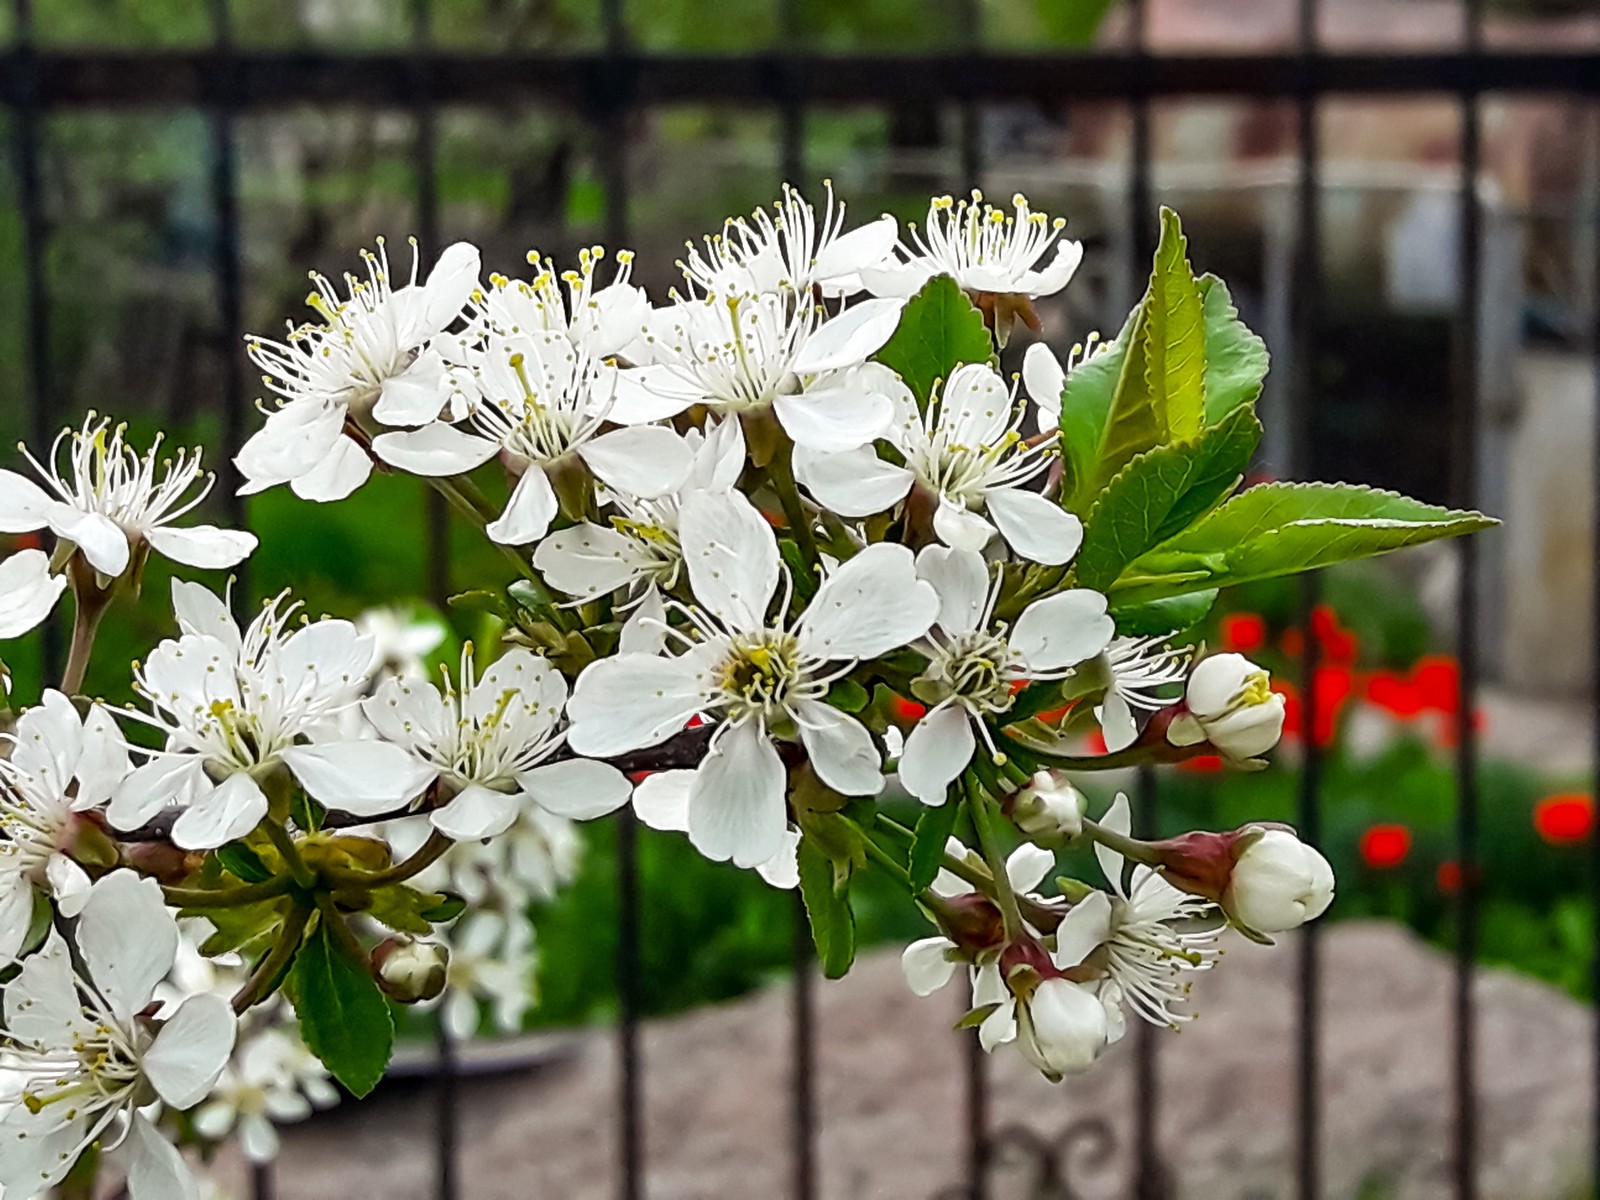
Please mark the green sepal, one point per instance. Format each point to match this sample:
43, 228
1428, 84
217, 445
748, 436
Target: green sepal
847, 695
243, 863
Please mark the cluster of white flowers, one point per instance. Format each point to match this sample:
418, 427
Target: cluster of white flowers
751, 537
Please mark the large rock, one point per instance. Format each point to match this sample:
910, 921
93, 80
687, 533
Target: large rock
891, 1098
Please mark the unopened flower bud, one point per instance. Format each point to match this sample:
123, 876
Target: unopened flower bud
1278, 883
1049, 809
410, 971
1061, 1027
1230, 703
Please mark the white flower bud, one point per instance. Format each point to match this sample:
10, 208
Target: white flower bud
1230, 703
1049, 808
1061, 1027
1278, 883
411, 971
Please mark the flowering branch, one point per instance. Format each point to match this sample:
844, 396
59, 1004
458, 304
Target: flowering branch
268, 971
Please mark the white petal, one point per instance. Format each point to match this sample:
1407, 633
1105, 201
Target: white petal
896, 279
1045, 380
1028, 865
852, 337
928, 965
291, 438
834, 417
232, 809
16, 911
330, 656
24, 505
204, 546
937, 750
361, 777
652, 393
782, 870
731, 555
474, 814
190, 1050
644, 460
849, 253
869, 606
341, 471
975, 406
645, 630
27, 591
434, 450
101, 539
1035, 526
736, 802
529, 511
1085, 927
449, 285
852, 483
416, 395
127, 939
577, 788
999, 1027
1060, 271
257, 1138
202, 612
69, 884
589, 560
41, 1003
631, 701
1118, 819
156, 1170
1063, 630
661, 800
959, 527
962, 581
150, 788
1117, 725
841, 750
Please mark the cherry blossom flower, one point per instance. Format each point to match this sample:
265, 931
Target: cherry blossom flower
1278, 883
661, 801
757, 677
60, 767
28, 591
603, 320
372, 357
1139, 673
966, 457
272, 1080
1230, 703
236, 707
974, 665
486, 746
90, 1062
491, 959
108, 498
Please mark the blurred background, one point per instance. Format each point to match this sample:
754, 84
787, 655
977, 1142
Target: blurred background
177, 166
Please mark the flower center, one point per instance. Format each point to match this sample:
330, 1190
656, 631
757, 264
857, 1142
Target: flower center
755, 678
974, 668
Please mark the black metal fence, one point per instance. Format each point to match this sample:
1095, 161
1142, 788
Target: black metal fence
605, 88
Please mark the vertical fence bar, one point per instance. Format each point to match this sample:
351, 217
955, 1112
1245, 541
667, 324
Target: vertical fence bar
27, 136
1306, 302
803, 1033
1465, 422
613, 111
425, 154
1594, 645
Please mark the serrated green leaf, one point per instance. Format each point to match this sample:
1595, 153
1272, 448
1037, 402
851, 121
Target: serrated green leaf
938, 331
1283, 529
244, 863
833, 925
1160, 493
847, 696
246, 928
1176, 359
1158, 618
344, 1019
1085, 405
933, 831
407, 910
1236, 359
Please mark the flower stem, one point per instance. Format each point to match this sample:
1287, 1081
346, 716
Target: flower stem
885, 860
340, 929
259, 986
255, 893
284, 842
959, 867
781, 471
1130, 848
982, 820
430, 852
91, 603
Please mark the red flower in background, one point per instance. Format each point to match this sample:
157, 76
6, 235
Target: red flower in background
1338, 644
1243, 632
1202, 764
1385, 846
1448, 877
1332, 686
907, 710
1565, 819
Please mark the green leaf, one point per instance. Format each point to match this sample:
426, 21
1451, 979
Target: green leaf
1160, 493
241, 861
344, 1018
1236, 359
833, 925
1175, 354
848, 696
247, 928
1283, 529
934, 828
938, 331
408, 910
447, 907
1158, 618
1085, 406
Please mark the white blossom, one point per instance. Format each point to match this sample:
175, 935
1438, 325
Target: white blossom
1046, 379
108, 498
487, 745
60, 766
661, 801
1278, 883
272, 1080
793, 248
603, 320
235, 708
975, 665
966, 457
756, 677
1146, 935
984, 248
402, 639
28, 591
371, 357
1049, 807
1140, 672
90, 1062
492, 960
1061, 1027
1230, 703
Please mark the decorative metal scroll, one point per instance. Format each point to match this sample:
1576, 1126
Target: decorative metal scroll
1023, 1164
